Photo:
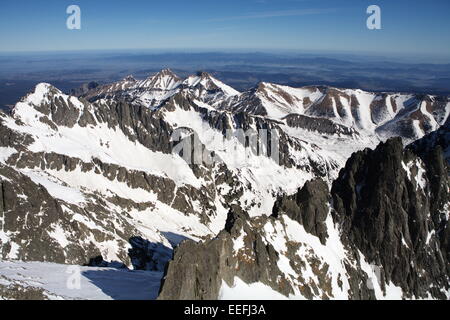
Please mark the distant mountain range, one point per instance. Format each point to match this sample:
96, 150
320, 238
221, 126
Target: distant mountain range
20, 73
384, 113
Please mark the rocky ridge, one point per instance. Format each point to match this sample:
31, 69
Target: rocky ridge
381, 232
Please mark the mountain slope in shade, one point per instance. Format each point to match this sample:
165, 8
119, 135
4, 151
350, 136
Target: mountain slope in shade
440, 137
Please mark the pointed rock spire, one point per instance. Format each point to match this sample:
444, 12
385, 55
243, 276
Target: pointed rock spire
130, 78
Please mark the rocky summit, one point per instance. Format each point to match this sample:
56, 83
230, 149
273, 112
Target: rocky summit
210, 193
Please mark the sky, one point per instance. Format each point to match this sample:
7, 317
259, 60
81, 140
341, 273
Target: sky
412, 27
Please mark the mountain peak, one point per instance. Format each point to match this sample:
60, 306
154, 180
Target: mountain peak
204, 75
262, 87
44, 87
165, 79
209, 82
42, 91
164, 73
130, 78
167, 72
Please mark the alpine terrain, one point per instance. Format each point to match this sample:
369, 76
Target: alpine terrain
210, 193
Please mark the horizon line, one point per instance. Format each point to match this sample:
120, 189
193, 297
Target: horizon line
233, 50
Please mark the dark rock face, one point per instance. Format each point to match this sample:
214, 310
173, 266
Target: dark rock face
84, 88
440, 137
145, 255
198, 269
320, 125
29, 215
386, 213
39, 209
309, 207
97, 262
390, 205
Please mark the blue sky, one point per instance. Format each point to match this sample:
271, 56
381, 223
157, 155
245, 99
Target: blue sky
409, 26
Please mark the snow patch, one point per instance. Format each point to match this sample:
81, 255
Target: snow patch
95, 283
243, 291
5, 153
55, 187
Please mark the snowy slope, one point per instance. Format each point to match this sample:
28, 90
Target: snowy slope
410, 116
66, 282
387, 114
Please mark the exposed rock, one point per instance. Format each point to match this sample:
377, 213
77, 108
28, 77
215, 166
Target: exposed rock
320, 125
389, 210
309, 207
15, 290
84, 88
198, 269
389, 206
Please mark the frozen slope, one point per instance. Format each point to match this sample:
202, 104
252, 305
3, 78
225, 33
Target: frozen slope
66, 282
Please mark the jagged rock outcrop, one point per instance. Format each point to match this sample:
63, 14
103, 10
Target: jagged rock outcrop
29, 216
390, 208
440, 137
320, 125
262, 250
16, 290
309, 207
390, 211
198, 269
84, 88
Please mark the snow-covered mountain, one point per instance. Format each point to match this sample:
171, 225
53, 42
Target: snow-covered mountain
157, 89
100, 179
372, 116
387, 114
150, 92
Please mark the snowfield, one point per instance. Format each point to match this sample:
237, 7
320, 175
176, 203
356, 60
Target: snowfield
65, 282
